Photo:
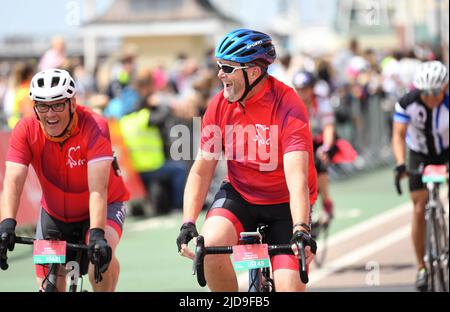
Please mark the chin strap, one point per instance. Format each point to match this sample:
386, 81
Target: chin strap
249, 87
70, 129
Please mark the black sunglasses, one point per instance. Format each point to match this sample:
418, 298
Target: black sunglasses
432, 92
57, 107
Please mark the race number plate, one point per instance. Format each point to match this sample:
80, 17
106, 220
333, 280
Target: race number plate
435, 174
49, 251
247, 257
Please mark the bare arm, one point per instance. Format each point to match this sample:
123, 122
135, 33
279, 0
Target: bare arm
98, 178
15, 176
398, 142
197, 186
296, 172
328, 134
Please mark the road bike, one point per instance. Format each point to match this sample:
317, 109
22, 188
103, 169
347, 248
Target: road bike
436, 229
436, 239
259, 276
54, 261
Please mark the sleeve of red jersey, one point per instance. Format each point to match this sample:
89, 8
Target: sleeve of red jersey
99, 142
211, 134
19, 150
296, 134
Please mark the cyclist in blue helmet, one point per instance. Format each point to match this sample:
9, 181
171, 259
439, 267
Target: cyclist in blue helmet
271, 177
253, 50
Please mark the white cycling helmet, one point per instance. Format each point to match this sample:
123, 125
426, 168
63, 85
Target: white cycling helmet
51, 85
431, 75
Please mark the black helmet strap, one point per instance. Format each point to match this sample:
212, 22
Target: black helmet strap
249, 87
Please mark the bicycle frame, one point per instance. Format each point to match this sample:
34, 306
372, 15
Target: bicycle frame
436, 239
259, 280
436, 243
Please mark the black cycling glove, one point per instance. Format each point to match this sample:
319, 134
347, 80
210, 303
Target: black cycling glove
187, 232
103, 256
305, 238
398, 172
7, 240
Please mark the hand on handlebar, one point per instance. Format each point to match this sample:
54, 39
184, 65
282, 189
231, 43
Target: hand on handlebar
399, 173
188, 231
304, 239
99, 252
7, 240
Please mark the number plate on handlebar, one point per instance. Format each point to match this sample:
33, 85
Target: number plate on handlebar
49, 251
434, 174
247, 257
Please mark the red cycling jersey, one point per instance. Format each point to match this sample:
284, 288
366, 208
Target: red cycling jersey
254, 139
62, 169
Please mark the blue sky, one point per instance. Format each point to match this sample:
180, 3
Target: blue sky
49, 17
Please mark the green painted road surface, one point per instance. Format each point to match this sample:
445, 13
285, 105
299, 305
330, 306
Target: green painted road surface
148, 252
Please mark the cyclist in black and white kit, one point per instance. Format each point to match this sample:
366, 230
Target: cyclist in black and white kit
421, 122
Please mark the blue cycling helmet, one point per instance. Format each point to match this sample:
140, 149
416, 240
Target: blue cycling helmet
245, 46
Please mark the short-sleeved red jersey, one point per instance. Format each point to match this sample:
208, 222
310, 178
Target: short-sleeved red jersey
62, 169
254, 139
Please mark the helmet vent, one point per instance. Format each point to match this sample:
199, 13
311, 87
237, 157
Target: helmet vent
40, 82
55, 81
249, 52
226, 46
232, 51
72, 84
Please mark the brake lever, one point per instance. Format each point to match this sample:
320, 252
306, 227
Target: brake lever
3, 253
302, 263
97, 275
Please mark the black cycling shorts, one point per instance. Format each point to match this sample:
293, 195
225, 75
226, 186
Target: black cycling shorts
75, 233
417, 162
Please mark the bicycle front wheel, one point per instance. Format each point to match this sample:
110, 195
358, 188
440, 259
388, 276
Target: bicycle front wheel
435, 251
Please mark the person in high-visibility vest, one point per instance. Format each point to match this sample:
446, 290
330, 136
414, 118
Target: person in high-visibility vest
142, 134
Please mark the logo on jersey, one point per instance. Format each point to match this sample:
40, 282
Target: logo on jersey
74, 157
262, 135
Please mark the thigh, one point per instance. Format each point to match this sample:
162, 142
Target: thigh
279, 232
115, 219
228, 216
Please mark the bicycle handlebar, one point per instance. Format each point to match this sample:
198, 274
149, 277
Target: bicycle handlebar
69, 246
201, 251
408, 173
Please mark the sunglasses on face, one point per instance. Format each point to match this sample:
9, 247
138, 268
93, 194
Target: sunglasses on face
229, 69
432, 92
57, 107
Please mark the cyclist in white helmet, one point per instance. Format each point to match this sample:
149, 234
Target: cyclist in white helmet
421, 123
69, 147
